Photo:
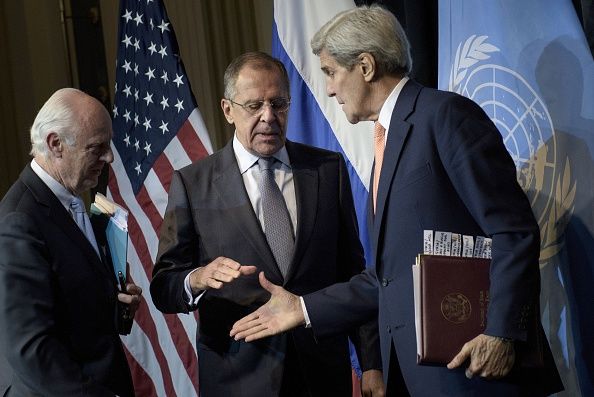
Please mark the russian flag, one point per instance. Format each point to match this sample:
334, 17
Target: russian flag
314, 118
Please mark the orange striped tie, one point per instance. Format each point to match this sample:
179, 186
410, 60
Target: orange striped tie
379, 140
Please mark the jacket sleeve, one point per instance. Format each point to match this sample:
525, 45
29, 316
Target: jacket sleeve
178, 252
484, 176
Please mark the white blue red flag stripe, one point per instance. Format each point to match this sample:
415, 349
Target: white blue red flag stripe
157, 129
315, 118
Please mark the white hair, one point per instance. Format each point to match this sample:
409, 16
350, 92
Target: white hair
371, 29
56, 115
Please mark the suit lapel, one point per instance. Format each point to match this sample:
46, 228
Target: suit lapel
58, 215
305, 179
229, 186
397, 135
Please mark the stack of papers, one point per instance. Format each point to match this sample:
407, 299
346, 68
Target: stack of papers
116, 231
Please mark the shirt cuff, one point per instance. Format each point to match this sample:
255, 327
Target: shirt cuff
191, 299
305, 315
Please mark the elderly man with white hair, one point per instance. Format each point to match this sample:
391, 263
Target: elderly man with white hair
58, 293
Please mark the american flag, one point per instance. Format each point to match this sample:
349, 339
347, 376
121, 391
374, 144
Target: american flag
157, 129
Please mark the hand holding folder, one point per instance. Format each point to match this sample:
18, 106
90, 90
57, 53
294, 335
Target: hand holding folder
116, 233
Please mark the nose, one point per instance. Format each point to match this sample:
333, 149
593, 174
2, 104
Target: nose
330, 89
107, 156
267, 115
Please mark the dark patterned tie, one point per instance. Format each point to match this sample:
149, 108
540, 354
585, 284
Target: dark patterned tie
277, 223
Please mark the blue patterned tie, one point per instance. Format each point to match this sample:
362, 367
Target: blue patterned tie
277, 223
82, 220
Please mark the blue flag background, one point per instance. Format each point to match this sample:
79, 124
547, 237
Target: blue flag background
528, 65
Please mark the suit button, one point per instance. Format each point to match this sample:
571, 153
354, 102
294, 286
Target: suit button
385, 282
388, 329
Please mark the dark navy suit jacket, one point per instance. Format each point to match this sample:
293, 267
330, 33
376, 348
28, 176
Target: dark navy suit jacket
445, 168
57, 300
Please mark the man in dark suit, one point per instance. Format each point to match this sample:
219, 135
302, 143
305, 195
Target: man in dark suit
216, 223
440, 165
58, 292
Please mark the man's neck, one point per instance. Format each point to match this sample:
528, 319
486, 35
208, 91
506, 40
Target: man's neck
381, 90
48, 166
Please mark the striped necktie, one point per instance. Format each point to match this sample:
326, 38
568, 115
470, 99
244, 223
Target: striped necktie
379, 140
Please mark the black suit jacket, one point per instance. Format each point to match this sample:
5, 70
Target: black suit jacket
446, 168
57, 300
209, 214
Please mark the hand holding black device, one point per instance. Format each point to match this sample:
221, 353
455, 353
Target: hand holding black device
124, 321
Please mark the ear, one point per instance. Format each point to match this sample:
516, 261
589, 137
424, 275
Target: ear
367, 66
226, 106
54, 144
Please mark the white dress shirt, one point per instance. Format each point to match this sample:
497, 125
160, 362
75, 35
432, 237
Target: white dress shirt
250, 173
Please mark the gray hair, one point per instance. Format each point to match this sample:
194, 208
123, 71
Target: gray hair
256, 60
371, 29
56, 115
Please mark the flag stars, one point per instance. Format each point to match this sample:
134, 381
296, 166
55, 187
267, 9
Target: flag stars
127, 140
137, 168
138, 19
135, 69
127, 116
164, 77
163, 51
127, 40
150, 73
178, 80
164, 102
179, 105
152, 24
137, 144
127, 91
164, 26
127, 16
147, 124
147, 148
115, 111
136, 94
152, 48
163, 127
136, 44
136, 121
148, 98
126, 66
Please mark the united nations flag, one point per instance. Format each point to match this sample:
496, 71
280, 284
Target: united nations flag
527, 63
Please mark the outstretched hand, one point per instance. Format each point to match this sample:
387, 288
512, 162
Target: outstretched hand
490, 357
217, 273
281, 313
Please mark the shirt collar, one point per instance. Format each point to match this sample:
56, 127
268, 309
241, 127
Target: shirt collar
387, 109
246, 159
56, 187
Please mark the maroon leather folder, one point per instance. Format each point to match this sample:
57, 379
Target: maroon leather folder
451, 299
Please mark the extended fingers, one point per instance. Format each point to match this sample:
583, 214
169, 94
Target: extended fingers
462, 356
490, 357
220, 271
